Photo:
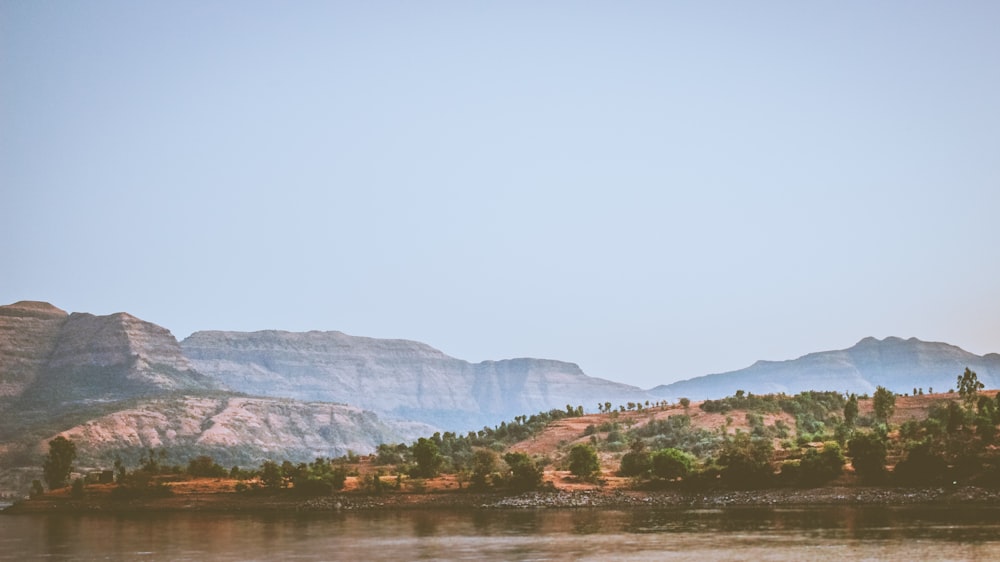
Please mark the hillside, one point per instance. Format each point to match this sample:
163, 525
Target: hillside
894, 363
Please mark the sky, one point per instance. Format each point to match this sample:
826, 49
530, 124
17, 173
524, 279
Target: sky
651, 190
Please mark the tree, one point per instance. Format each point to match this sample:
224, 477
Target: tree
969, 387
59, 462
583, 462
921, 467
671, 463
746, 461
636, 462
884, 404
428, 457
270, 475
867, 451
484, 464
685, 402
205, 466
851, 410
525, 474
819, 467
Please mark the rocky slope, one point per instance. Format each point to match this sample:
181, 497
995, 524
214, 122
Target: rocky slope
236, 429
28, 334
404, 379
49, 358
897, 364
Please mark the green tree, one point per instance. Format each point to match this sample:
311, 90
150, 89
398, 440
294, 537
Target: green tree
884, 404
867, 452
746, 461
58, 462
583, 462
819, 467
671, 463
484, 464
205, 466
685, 403
636, 462
428, 457
851, 410
525, 474
969, 387
921, 467
270, 475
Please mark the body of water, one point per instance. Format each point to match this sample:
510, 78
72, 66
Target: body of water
848, 533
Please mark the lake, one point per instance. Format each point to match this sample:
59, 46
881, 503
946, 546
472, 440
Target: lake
884, 533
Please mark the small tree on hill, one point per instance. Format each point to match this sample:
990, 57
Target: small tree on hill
868, 452
428, 457
583, 462
671, 463
969, 387
884, 404
747, 461
525, 474
636, 462
58, 462
484, 464
851, 410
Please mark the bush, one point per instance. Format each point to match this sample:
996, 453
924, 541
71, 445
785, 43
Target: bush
525, 474
921, 467
819, 467
867, 451
671, 463
583, 462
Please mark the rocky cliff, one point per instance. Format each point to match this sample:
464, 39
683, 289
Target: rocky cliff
28, 334
897, 364
108, 357
401, 378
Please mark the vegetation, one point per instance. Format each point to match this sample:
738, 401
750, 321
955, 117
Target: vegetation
583, 463
884, 404
809, 439
58, 462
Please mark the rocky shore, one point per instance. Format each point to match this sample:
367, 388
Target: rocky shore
615, 499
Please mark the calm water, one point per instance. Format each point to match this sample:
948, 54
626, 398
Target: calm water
730, 534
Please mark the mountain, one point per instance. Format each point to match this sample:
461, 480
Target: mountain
119, 385
897, 364
28, 333
51, 358
399, 378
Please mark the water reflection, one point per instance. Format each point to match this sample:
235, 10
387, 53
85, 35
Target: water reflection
835, 532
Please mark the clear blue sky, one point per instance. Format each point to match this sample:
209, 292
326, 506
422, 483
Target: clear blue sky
653, 190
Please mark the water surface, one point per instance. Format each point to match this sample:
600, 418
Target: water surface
910, 533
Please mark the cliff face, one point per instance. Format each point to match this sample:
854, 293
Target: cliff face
112, 357
401, 378
897, 364
28, 334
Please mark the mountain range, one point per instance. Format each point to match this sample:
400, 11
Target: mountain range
894, 363
119, 385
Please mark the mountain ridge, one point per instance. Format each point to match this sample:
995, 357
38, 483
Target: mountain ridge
895, 363
399, 378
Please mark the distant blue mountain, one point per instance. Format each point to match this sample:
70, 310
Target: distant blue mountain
897, 364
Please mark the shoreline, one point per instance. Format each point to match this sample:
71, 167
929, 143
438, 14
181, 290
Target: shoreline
277, 503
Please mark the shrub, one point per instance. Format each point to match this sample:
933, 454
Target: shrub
671, 463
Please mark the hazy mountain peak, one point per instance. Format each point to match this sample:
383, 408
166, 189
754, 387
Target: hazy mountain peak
897, 364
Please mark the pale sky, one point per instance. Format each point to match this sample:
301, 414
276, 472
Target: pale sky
652, 190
